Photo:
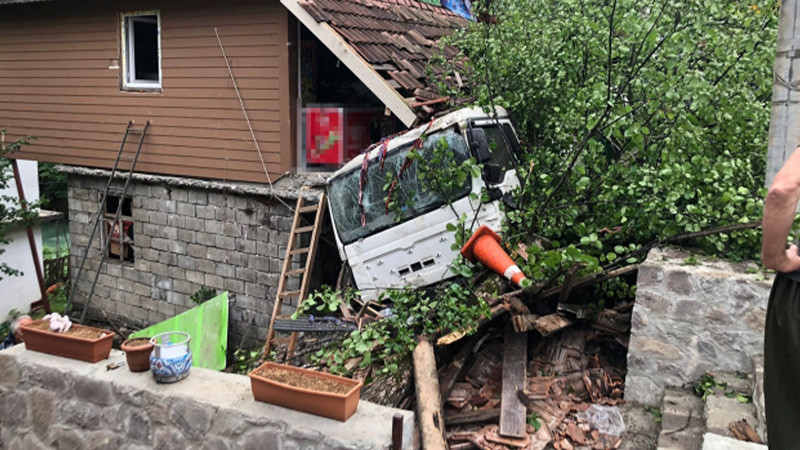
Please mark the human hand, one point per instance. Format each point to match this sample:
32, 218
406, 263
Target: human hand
789, 261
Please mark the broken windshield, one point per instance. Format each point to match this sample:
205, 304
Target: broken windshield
343, 190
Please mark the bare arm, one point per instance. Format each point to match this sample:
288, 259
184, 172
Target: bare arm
779, 212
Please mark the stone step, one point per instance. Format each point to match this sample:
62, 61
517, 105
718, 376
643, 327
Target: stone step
758, 397
713, 441
682, 421
721, 410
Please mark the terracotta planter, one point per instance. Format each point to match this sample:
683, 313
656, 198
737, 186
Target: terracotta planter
138, 356
60, 344
328, 404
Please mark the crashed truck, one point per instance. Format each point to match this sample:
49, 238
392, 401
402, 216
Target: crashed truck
383, 252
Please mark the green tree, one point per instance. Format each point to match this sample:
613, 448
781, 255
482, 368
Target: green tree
11, 214
642, 119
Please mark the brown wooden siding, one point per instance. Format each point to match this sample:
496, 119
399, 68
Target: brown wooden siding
56, 85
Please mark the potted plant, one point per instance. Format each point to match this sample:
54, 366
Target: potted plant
137, 353
306, 390
56, 335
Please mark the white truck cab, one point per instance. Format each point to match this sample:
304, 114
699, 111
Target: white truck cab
415, 251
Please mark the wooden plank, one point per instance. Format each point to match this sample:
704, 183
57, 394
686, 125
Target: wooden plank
474, 416
515, 358
429, 404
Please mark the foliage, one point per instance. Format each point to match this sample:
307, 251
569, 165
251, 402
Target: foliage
385, 343
5, 326
10, 212
52, 186
655, 412
534, 421
325, 300
642, 119
203, 294
707, 385
244, 360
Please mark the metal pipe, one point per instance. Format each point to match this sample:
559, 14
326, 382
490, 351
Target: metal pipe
23, 204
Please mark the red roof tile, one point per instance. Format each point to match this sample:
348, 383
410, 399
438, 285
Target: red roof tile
403, 33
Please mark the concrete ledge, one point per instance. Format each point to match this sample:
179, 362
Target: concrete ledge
47, 400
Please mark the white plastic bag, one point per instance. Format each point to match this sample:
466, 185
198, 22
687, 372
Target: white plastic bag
605, 419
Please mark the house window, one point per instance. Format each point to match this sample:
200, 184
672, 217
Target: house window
120, 233
141, 50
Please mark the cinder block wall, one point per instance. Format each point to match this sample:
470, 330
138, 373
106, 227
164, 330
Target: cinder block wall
689, 319
185, 238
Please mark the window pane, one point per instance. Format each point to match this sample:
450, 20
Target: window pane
145, 48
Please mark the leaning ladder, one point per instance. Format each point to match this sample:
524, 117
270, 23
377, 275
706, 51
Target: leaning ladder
303, 273
121, 156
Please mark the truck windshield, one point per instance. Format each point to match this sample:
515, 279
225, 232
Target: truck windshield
343, 190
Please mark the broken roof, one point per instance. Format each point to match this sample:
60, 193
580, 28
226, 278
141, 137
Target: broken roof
395, 40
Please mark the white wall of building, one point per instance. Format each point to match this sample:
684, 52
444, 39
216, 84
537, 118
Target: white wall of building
20, 291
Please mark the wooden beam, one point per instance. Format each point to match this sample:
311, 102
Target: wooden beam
515, 357
456, 366
429, 404
353, 61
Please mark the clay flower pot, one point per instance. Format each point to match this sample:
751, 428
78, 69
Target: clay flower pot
137, 352
80, 342
306, 390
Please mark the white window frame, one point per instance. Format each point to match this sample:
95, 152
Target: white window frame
128, 67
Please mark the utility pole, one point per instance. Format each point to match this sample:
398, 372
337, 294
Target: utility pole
784, 123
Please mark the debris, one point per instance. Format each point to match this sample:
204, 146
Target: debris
114, 365
474, 416
742, 431
605, 419
512, 414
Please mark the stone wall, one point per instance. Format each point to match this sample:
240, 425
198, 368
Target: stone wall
52, 402
689, 319
185, 237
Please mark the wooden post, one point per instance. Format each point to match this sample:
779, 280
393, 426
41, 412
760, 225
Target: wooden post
429, 403
515, 358
397, 432
31, 241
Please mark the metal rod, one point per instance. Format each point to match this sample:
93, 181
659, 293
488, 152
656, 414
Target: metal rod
24, 205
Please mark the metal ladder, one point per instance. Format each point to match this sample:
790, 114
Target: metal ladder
121, 156
304, 272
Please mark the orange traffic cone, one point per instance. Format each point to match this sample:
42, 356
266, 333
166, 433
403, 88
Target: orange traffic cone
484, 246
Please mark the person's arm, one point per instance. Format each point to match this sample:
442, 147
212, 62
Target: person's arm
779, 212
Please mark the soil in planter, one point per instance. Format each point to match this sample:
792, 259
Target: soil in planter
300, 380
87, 333
138, 342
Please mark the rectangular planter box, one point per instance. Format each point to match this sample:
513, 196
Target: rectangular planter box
327, 404
59, 344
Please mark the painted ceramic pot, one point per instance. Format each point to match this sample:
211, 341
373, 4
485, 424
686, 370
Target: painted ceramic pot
171, 358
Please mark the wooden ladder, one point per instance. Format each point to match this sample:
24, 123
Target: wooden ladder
303, 273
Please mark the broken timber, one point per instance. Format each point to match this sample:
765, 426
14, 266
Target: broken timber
515, 357
429, 404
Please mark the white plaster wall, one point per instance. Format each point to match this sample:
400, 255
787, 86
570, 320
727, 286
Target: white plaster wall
19, 292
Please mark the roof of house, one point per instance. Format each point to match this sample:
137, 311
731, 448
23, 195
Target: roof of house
395, 37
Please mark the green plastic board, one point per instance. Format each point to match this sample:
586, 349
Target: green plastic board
207, 324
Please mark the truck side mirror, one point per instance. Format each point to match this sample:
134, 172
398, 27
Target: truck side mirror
476, 138
492, 173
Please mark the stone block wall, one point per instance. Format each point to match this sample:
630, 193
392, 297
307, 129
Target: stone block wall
185, 237
689, 319
52, 402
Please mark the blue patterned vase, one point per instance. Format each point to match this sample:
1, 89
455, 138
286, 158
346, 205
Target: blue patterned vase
171, 358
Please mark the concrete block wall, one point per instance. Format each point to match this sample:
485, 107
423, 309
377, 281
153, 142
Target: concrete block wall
689, 319
185, 238
52, 402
